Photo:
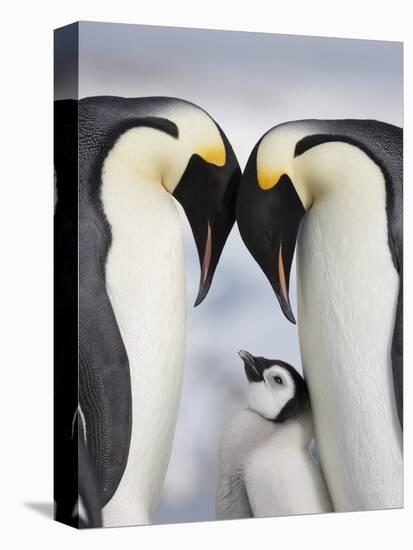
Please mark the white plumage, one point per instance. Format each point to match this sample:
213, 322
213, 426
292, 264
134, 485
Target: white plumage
146, 285
347, 294
265, 468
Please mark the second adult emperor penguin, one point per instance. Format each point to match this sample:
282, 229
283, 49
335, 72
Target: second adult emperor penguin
265, 467
337, 185
135, 155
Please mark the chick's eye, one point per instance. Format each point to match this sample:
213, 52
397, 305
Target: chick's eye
278, 379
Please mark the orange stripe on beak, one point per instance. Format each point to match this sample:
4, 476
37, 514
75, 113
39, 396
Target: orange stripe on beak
207, 255
281, 275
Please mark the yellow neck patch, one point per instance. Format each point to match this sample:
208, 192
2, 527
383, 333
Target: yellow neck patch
267, 179
214, 155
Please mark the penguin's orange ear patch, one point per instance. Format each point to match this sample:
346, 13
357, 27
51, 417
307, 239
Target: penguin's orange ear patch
213, 154
267, 179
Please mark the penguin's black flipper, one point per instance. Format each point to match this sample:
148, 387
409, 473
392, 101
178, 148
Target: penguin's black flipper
395, 224
104, 377
397, 354
89, 491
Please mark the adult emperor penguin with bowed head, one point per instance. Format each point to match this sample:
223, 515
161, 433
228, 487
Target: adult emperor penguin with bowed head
337, 186
135, 155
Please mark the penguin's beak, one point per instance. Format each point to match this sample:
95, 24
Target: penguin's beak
207, 193
251, 367
269, 221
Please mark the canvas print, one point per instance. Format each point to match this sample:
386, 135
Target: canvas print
259, 178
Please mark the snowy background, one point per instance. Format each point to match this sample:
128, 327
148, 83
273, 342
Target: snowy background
248, 82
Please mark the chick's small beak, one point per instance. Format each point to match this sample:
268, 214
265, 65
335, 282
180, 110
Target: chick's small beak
250, 366
246, 357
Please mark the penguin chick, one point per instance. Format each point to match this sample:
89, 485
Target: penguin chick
265, 468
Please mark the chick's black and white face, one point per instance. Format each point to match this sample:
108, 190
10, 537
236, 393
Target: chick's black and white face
276, 391
269, 396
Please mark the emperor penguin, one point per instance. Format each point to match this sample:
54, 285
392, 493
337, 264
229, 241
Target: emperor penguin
136, 155
265, 467
336, 186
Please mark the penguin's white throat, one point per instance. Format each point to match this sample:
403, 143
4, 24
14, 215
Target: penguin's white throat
269, 396
331, 168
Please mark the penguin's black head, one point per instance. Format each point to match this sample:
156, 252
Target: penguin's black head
276, 390
269, 213
207, 191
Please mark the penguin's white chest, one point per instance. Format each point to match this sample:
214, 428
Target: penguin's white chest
347, 290
271, 462
284, 480
146, 286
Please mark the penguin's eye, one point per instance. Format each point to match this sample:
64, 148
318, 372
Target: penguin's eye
278, 379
